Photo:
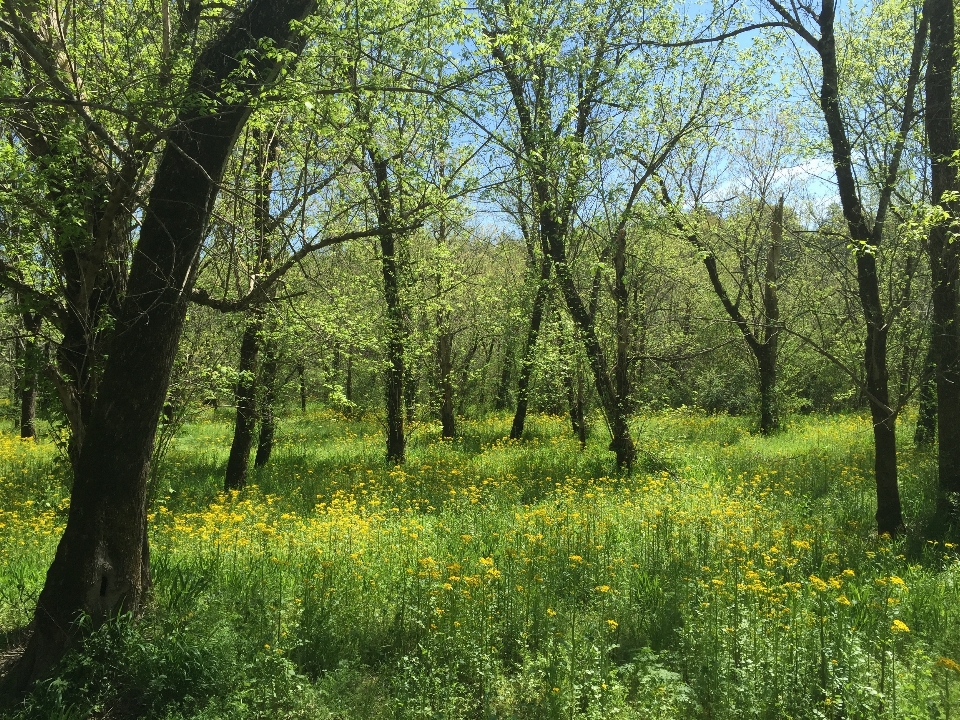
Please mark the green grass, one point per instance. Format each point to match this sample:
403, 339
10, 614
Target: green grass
730, 576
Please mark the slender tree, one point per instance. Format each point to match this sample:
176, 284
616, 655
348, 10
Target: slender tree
866, 229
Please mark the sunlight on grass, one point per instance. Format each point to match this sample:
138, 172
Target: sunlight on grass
730, 576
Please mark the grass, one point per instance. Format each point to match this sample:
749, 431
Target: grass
731, 576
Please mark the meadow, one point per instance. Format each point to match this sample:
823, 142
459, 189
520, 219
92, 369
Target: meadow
730, 576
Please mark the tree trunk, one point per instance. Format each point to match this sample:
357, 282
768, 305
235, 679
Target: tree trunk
30, 377
926, 430
767, 357
396, 441
866, 241
101, 566
767, 369
245, 397
621, 442
268, 382
621, 298
574, 388
448, 419
246, 393
944, 253
526, 364
889, 513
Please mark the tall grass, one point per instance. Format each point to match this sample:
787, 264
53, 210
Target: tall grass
730, 576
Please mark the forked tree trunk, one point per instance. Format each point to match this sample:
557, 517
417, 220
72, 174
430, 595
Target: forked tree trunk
944, 253
540, 301
621, 442
102, 563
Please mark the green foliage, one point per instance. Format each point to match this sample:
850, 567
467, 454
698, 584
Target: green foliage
732, 576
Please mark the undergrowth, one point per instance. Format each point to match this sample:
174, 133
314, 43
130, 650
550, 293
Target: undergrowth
730, 576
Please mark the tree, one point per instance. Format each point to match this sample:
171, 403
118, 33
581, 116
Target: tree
102, 562
944, 253
895, 110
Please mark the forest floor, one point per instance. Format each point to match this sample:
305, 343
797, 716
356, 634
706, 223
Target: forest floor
730, 576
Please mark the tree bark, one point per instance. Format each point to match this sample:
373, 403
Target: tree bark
245, 397
268, 423
529, 349
246, 392
301, 375
30, 377
621, 299
889, 511
101, 566
396, 440
767, 358
926, 430
944, 254
448, 420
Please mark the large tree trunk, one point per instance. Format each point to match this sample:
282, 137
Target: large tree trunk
540, 301
944, 253
101, 565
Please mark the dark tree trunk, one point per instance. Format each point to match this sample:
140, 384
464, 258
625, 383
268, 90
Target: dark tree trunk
448, 420
245, 397
396, 440
889, 509
621, 298
529, 349
574, 388
767, 357
266, 406
926, 430
238, 463
101, 566
30, 376
889, 512
944, 253
621, 442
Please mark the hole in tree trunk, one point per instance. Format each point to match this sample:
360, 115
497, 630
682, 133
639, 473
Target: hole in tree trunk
103, 587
